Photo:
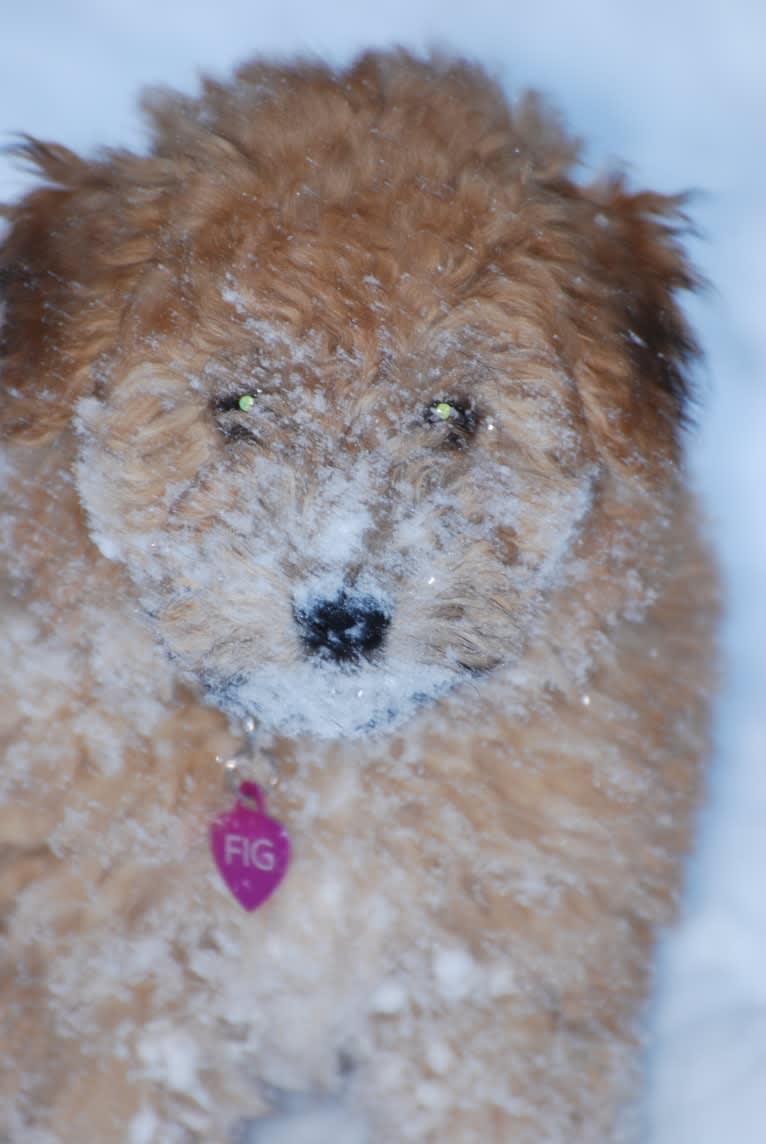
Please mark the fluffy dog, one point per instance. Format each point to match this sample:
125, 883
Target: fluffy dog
344, 425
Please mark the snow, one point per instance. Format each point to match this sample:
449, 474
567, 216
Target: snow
456, 974
679, 92
389, 998
143, 1127
169, 1057
312, 1123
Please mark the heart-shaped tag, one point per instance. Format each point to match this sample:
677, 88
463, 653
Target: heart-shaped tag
251, 850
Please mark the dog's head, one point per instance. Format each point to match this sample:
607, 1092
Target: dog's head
348, 356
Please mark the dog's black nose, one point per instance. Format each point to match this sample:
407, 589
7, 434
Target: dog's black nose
345, 628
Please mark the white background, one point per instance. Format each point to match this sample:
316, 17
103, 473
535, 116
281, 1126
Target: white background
677, 91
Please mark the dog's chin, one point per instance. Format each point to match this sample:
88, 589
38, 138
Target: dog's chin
327, 700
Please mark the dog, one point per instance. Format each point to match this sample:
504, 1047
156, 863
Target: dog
342, 456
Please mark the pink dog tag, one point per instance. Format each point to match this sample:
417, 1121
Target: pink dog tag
251, 850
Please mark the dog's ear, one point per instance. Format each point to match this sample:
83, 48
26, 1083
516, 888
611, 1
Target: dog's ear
41, 263
637, 370
63, 259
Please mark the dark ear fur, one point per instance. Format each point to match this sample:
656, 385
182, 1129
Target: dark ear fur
636, 241
652, 271
59, 248
35, 272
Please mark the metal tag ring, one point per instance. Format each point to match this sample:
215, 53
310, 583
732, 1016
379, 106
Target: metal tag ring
237, 771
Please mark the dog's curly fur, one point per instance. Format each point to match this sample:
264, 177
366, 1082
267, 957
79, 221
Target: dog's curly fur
467, 375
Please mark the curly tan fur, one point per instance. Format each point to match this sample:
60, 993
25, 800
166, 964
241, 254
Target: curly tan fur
482, 856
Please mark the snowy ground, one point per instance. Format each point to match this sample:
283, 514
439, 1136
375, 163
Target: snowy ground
677, 90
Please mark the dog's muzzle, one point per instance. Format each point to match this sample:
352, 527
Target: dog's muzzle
345, 629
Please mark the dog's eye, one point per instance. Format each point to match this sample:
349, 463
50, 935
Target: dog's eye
236, 414
444, 410
236, 402
458, 416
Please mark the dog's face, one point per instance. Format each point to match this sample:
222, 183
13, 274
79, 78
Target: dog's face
326, 535
352, 372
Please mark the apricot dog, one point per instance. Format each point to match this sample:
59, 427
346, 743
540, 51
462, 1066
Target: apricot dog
342, 435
